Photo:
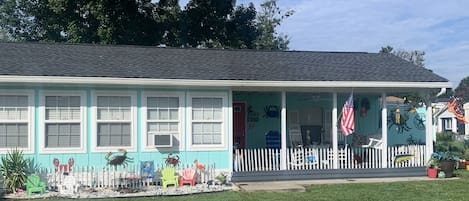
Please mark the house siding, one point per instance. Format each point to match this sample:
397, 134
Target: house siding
90, 157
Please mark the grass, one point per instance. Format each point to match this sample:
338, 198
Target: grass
447, 190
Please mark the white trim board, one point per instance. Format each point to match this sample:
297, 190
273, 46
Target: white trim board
219, 83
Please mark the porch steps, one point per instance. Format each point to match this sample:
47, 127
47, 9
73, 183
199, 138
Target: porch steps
285, 175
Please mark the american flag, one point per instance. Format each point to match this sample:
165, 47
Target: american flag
347, 124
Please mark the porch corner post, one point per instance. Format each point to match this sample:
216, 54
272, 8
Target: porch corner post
384, 129
428, 131
283, 132
335, 140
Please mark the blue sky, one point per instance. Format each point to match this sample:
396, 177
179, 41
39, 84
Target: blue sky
440, 28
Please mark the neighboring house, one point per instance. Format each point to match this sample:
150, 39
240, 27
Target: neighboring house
244, 111
446, 121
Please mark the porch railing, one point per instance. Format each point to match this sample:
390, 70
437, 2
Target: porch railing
263, 159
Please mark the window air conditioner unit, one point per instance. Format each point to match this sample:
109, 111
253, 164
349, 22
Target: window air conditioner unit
163, 140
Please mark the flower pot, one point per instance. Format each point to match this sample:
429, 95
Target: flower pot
432, 172
447, 166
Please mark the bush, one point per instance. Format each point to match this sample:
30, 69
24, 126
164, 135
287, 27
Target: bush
448, 148
14, 170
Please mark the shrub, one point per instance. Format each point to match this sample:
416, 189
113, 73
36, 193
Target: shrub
14, 170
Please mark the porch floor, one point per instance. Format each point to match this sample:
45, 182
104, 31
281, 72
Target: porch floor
284, 175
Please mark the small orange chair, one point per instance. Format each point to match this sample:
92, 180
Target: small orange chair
188, 176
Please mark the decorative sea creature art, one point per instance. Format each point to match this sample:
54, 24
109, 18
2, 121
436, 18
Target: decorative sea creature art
396, 118
118, 160
172, 160
402, 158
63, 167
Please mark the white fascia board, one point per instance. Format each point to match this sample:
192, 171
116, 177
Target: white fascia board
218, 83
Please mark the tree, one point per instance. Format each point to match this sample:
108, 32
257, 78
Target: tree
416, 56
168, 15
269, 18
205, 23
241, 27
81, 21
462, 91
15, 23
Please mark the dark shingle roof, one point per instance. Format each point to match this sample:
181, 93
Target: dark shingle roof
36, 59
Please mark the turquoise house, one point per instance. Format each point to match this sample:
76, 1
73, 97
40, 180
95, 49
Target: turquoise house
215, 106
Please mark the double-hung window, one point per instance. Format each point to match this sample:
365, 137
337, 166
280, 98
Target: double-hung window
207, 121
163, 119
15, 124
64, 121
114, 121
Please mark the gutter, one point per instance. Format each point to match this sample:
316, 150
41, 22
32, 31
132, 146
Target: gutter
216, 83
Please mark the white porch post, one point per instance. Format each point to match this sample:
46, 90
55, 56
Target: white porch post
283, 132
428, 131
230, 129
335, 140
384, 129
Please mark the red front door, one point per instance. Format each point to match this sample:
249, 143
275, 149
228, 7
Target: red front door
239, 125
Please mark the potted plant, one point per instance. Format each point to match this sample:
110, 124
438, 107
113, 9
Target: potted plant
432, 167
447, 163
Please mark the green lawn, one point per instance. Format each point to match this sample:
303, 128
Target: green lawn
457, 189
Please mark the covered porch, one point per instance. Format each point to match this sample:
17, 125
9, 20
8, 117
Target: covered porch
297, 131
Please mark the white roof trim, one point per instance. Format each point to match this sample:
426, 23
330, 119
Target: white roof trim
220, 83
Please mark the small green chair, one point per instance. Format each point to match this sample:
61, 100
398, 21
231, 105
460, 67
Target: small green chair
168, 176
35, 185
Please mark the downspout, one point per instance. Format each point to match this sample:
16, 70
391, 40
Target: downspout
442, 91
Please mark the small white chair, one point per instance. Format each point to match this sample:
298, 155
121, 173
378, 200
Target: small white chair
69, 186
374, 143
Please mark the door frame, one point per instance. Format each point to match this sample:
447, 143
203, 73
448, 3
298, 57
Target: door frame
245, 121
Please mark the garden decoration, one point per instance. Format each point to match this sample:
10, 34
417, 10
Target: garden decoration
198, 166
170, 160
118, 160
147, 169
63, 167
399, 120
403, 158
271, 111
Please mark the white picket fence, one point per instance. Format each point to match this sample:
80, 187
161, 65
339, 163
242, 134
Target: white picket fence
121, 177
248, 160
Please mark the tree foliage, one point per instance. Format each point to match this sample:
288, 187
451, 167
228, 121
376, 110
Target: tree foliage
462, 91
202, 23
415, 56
268, 20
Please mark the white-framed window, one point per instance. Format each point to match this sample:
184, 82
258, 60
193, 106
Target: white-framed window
207, 120
114, 120
63, 122
162, 114
448, 124
16, 120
